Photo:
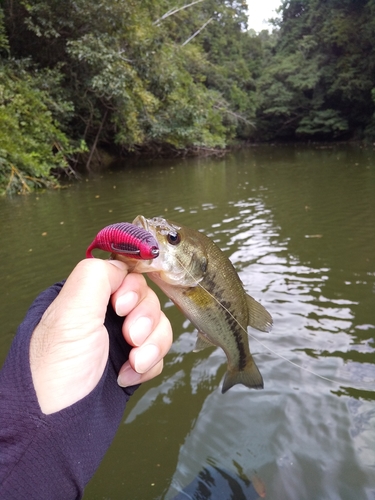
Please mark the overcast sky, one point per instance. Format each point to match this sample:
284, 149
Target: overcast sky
261, 10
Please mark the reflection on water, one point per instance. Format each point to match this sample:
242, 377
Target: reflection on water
298, 224
213, 483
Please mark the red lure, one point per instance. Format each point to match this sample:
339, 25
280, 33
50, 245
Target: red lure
127, 239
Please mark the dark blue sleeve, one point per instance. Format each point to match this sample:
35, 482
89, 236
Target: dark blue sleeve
54, 456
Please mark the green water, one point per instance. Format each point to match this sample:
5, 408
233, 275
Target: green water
299, 225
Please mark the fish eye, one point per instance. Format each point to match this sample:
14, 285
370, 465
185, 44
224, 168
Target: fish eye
174, 238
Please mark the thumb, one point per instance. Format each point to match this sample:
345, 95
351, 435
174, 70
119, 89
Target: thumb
89, 287
69, 347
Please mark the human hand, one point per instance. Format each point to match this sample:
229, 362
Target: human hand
69, 347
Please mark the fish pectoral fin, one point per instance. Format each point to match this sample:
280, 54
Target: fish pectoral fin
250, 377
202, 342
259, 317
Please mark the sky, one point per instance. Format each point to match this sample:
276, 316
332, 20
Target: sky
261, 10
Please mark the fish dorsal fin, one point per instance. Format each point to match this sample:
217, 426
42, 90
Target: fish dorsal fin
259, 317
202, 342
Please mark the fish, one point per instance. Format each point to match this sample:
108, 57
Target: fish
125, 238
202, 282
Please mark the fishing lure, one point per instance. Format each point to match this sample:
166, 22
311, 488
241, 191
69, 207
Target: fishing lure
126, 239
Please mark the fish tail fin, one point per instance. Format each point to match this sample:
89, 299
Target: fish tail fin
250, 377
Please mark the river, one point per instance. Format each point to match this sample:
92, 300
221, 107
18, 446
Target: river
298, 223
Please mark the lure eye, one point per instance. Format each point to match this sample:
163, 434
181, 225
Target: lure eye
174, 238
155, 251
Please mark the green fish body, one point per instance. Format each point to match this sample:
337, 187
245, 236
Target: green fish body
202, 282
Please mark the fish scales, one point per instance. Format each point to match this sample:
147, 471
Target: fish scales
196, 275
226, 313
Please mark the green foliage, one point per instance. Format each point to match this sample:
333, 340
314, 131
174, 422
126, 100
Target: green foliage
183, 75
4, 45
322, 123
318, 78
31, 144
129, 74
141, 74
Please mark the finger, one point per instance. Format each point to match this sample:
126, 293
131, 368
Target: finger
145, 357
140, 304
146, 361
132, 291
69, 347
127, 376
83, 299
142, 320
89, 287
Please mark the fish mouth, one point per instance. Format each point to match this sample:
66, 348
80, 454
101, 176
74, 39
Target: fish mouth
167, 265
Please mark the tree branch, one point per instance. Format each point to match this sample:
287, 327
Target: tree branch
93, 148
197, 32
174, 11
235, 115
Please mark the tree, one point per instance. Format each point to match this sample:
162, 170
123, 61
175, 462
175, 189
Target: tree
126, 74
320, 73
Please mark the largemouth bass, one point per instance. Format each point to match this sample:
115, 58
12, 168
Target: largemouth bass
202, 282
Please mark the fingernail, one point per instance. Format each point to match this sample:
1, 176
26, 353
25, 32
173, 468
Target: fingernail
128, 376
146, 357
125, 303
140, 330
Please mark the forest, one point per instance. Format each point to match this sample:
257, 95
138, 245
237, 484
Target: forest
184, 77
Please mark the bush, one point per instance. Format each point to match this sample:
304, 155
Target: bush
31, 143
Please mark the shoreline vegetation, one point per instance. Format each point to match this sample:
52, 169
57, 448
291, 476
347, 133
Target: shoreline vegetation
175, 78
